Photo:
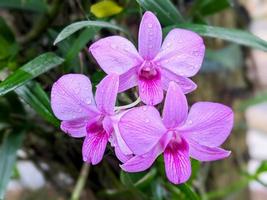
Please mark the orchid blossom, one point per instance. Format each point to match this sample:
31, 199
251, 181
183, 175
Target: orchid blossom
83, 116
178, 135
179, 56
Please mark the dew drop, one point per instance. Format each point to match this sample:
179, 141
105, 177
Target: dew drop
88, 101
190, 122
195, 53
147, 120
150, 25
168, 44
144, 108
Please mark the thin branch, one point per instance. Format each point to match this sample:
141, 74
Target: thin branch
81, 182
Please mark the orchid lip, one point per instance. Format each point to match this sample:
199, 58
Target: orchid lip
95, 126
149, 70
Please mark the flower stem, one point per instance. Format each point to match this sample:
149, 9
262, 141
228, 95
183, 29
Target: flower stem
81, 182
137, 101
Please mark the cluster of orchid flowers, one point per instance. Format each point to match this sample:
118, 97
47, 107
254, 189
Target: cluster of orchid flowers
139, 134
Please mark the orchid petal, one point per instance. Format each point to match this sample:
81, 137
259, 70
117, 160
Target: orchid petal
184, 83
115, 54
72, 98
141, 128
182, 52
150, 36
205, 153
175, 107
128, 80
121, 156
106, 93
143, 162
150, 91
94, 147
177, 162
208, 123
75, 128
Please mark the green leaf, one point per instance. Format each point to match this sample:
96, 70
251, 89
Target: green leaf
260, 98
233, 35
69, 30
5, 31
30, 5
262, 168
32, 69
184, 189
164, 9
215, 59
8, 151
79, 43
140, 180
208, 7
34, 95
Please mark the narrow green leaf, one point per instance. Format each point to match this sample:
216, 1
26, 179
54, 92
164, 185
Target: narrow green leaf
185, 189
260, 98
188, 191
8, 151
5, 31
233, 35
262, 168
215, 59
138, 180
32, 69
164, 9
34, 95
69, 30
209, 7
30, 5
79, 43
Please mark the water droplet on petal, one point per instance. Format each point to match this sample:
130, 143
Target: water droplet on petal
88, 101
150, 25
144, 108
190, 122
147, 120
195, 53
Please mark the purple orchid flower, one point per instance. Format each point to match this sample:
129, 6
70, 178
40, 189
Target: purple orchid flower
72, 102
180, 56
178, 135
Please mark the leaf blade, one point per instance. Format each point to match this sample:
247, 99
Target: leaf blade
165, 10
34, 95
30, 70
7, 158
232, 35
72, 28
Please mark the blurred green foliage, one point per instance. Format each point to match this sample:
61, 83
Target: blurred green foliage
30, 64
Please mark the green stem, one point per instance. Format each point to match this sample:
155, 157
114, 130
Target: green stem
81, 182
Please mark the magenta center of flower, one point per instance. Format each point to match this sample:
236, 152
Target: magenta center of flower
148, 71
95, 127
